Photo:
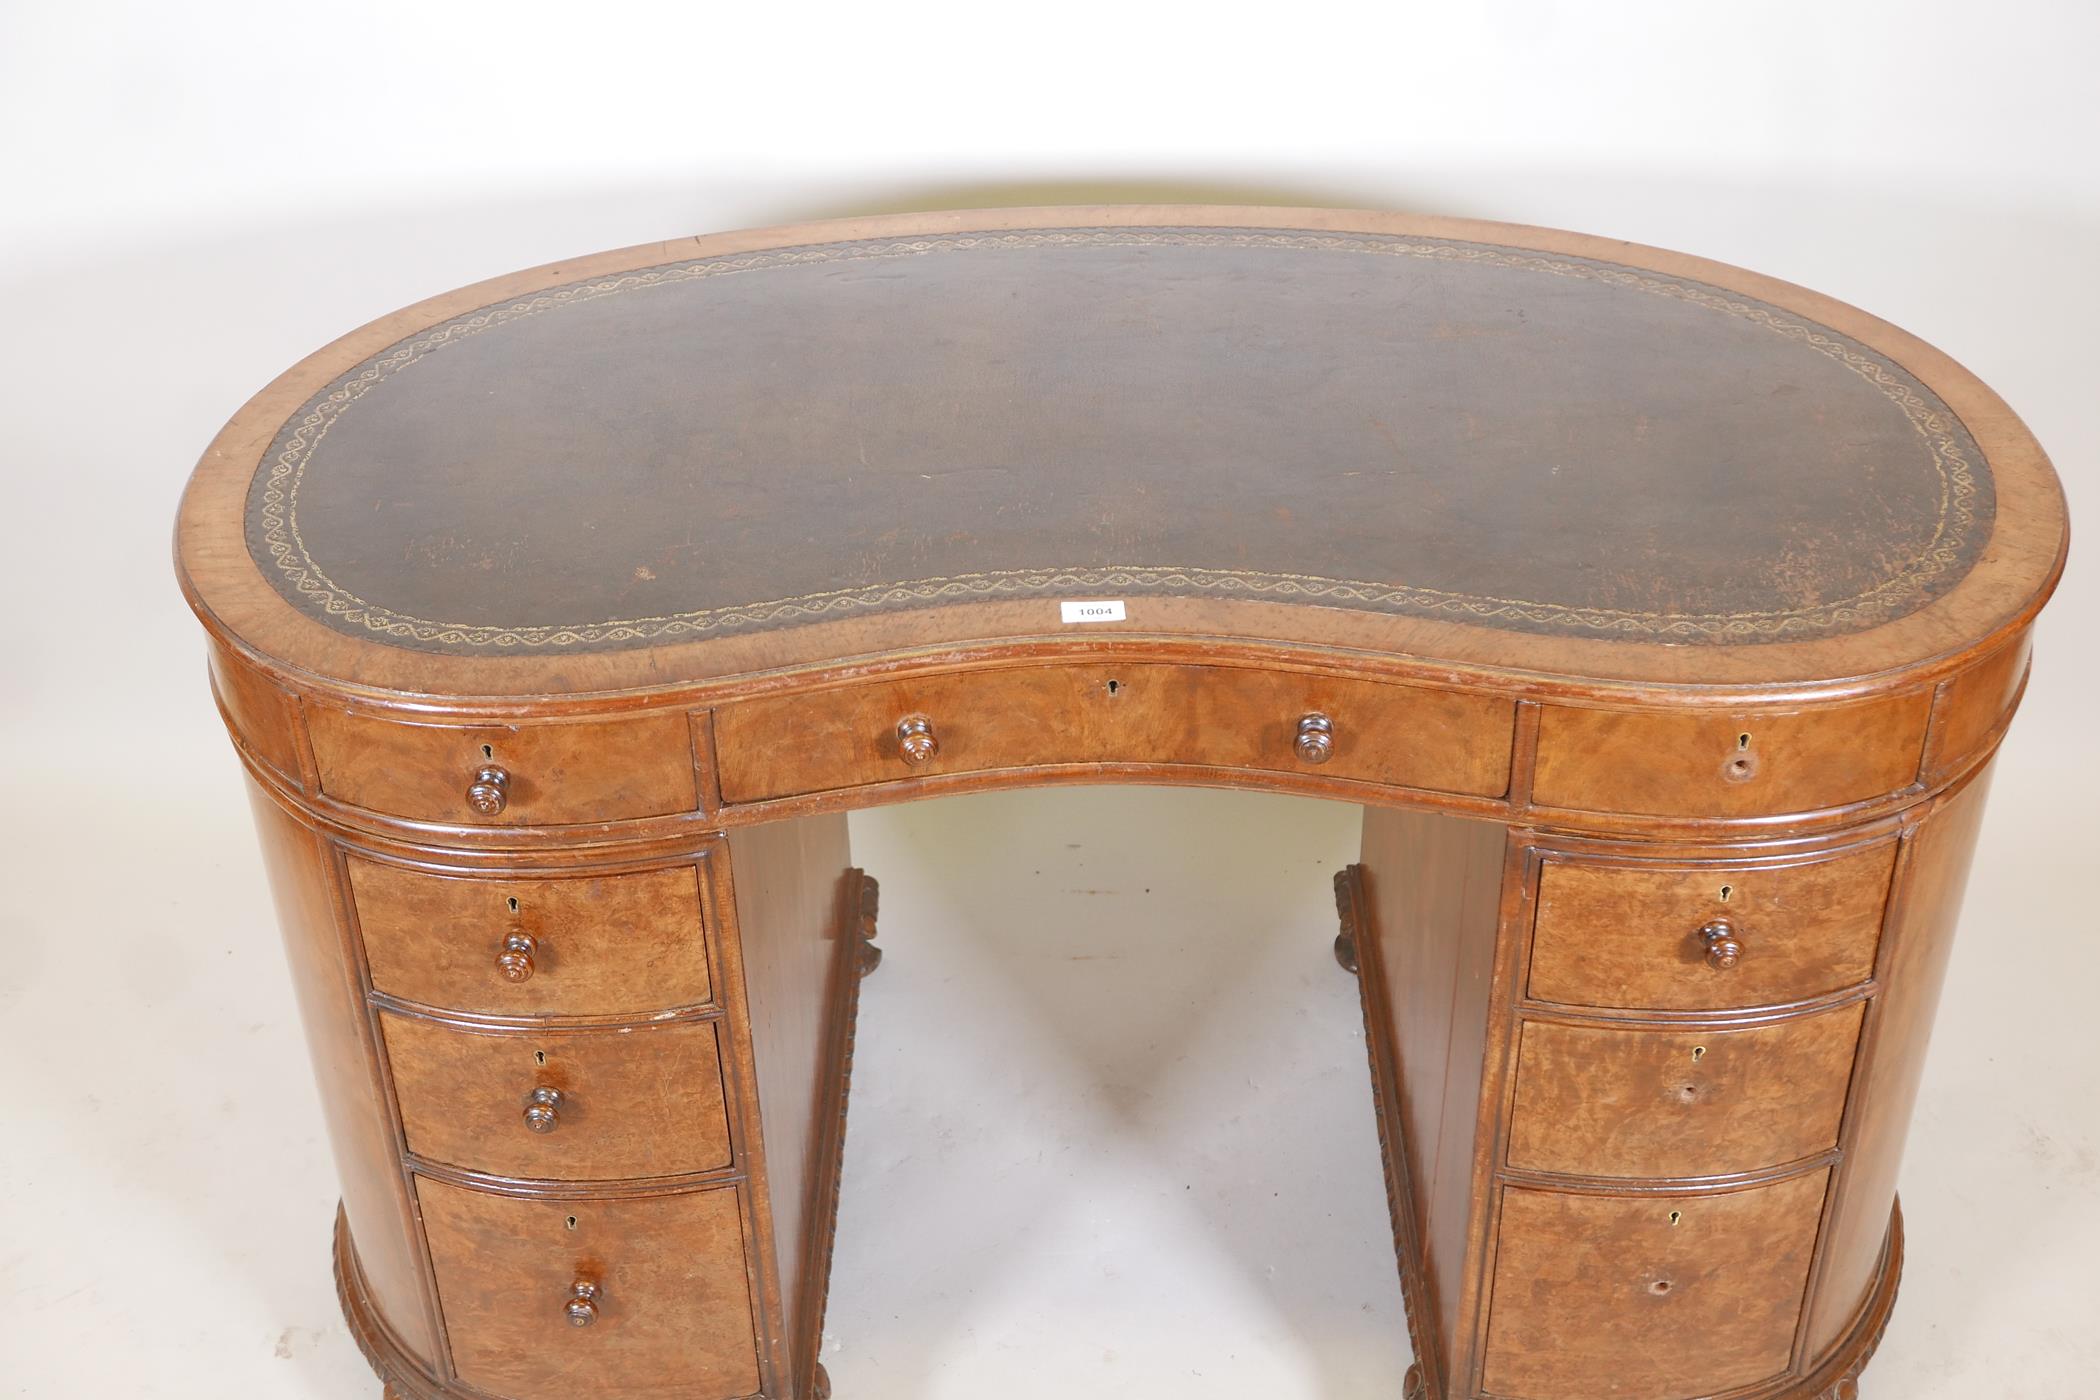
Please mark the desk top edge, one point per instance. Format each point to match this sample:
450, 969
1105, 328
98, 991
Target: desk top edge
2014, 575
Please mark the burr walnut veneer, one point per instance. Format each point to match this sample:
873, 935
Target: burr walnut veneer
1661, 618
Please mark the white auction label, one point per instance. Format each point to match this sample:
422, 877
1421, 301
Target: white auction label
1102, 610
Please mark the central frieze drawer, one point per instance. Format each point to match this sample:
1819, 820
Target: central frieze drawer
575, 1106
1659, 1297
639, 1299
600, 945
1198, 716
1619, 1101
1707, 937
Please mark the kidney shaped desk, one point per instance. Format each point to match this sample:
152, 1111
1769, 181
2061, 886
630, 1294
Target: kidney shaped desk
1662, 619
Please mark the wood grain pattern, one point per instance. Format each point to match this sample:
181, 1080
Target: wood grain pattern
636, 1102
1434, 887
601, 771
1627, 935
795, 899
262, 713
1649, 1297
1973, 706
627, 944
1614, 1101
1930, 881
1039, 716
354, 1097
674, 1316
1741, 763
1357, 950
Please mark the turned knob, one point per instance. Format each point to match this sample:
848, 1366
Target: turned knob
916, 743
582, 1306
490, 791
543, 1109
514, 961
1723, 948
1315, 742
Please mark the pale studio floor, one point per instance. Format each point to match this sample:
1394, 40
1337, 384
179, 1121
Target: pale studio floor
1111, 1131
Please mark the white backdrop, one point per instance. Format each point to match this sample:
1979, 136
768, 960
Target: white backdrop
1110, 1192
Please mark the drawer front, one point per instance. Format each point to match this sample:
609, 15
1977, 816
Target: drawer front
1648, 1297
1708, 937
607, 945
631, 1103
551, 774
669, 1312
1406, 736
1613, 1101
1746, 764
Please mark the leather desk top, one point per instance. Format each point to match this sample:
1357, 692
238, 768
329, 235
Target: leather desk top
1422, 442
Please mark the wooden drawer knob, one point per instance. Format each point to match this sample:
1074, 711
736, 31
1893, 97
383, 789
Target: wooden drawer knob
1315, 742
543, 1109
582, 1307
916, 743
514, 961
1724, 947
489, 793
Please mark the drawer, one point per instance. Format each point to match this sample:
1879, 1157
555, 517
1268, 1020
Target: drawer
1648, 1297
1743, 764
635, 1102
604, 945
1651, 937
1616, 1101
1205, 716
669, 1311
550, 774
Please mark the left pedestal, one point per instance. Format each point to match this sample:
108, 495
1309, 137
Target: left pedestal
573, 1159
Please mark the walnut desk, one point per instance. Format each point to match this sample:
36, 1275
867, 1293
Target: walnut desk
1662, 619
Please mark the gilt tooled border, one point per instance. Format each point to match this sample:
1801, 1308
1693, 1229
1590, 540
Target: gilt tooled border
278, 545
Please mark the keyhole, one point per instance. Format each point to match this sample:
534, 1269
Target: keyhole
1698, 1053
1675, 1216
513, 904
487, 752
1727, 893
572, 1222
1743, 765
1114, 686
539, 1057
